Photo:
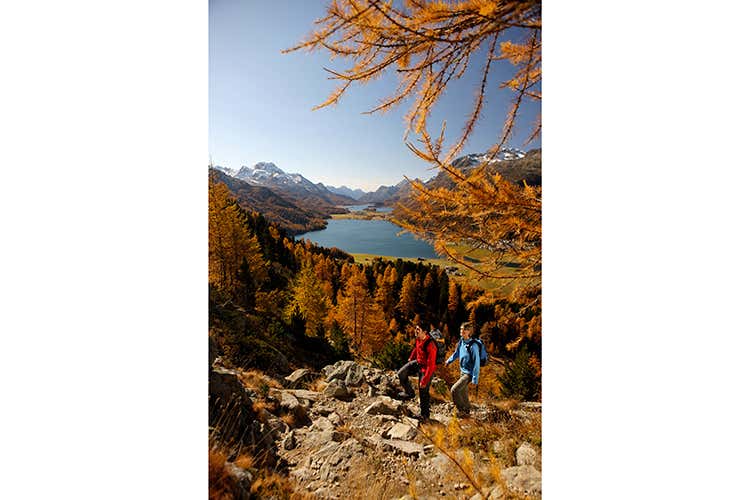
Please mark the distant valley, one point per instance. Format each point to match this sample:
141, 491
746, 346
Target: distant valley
299, 205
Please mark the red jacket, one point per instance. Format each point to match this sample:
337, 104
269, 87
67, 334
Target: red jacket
425, 356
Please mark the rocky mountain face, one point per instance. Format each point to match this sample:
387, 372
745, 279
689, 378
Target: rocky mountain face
267, 174
517, 167
385, 193
345, 191
513, 164
351, 439
293, 215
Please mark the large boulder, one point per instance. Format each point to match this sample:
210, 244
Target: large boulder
339, 370
232, 419
306, 398
355, 376
336, 388
523, 479
384, 406
408, 448
322, 424
299, 377
288, 441
288, 401
242, 481
402, 431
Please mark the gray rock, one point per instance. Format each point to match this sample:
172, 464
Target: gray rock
289, 442
413, 422
323, 410
322, 424
526, 455
340, 370
298, 377
288, 401
402, 431
381, 419
408, 448
355, 376
243, 481
441, 418
275, 427
524, 479
327, 370
373, 441
304, 395
373, 377
337, 389
441, 463
300, 474
335, 418
496, 447
384, 406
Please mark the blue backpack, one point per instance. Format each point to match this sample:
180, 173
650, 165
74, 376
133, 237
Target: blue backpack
482, 351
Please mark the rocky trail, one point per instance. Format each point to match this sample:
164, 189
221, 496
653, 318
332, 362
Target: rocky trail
353, 439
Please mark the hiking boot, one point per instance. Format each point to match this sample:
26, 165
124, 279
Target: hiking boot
405, 396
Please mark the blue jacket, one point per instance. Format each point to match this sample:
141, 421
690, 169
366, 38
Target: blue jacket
468, 359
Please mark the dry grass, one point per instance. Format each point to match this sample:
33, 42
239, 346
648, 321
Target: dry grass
219, 480
274, 485
270, 405
258, 381
318, 385
245, 461
346, 429
494, 441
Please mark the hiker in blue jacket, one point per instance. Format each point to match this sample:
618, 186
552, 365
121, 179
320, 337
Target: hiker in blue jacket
467, 351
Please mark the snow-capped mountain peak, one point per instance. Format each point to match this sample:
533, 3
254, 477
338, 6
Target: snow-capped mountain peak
268, 174
229, 171
473, 159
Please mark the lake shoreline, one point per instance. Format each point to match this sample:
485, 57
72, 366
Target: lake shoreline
375, 235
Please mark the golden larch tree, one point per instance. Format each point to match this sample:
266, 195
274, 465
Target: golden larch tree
311, 300
229, 242
429, 44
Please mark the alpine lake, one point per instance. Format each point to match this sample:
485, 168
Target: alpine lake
373, 237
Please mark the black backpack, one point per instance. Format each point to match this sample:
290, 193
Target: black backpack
482, 351
437, 337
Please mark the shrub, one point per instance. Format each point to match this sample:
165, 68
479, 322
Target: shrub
520, 380
339, 342
393, 355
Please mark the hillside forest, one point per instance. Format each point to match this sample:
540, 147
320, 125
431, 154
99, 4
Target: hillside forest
276, 304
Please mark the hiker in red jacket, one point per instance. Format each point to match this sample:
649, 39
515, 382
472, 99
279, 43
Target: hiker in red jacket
422, 363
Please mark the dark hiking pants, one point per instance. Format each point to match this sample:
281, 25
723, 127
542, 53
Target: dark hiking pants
409, 369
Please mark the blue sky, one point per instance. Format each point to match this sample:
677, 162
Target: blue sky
260, 103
